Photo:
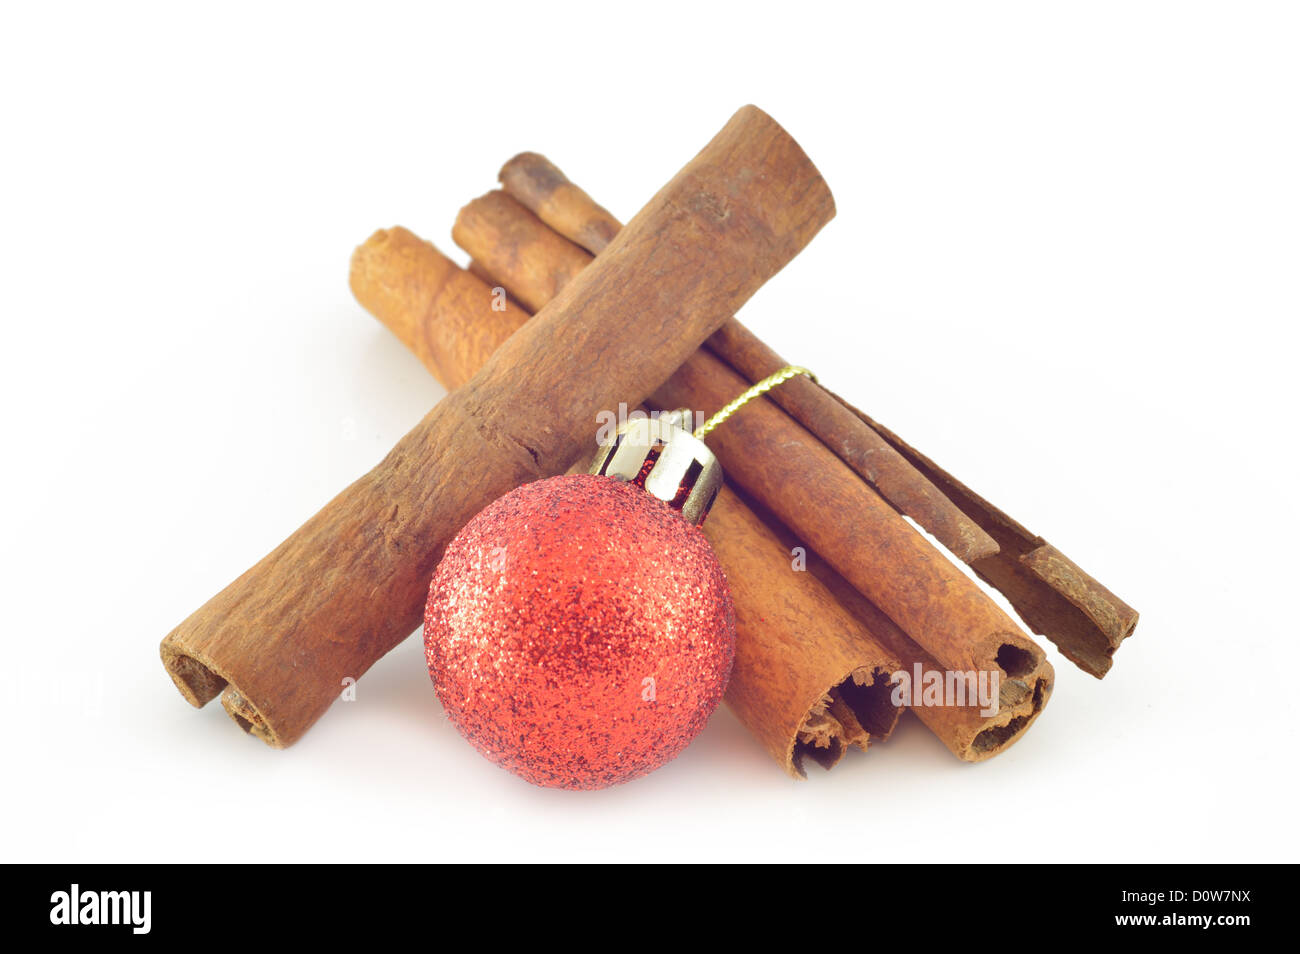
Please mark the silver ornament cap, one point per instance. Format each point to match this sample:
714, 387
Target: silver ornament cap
667, 460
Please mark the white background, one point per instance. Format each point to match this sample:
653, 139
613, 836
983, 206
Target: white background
1064, 264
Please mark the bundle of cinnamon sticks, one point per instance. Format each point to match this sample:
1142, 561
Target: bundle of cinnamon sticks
835, 592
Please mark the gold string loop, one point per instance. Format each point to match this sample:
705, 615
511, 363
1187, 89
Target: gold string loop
760, 388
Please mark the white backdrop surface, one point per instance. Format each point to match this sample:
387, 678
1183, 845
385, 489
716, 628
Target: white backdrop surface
1064, 264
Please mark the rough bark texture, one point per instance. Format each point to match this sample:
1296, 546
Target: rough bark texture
421, 295
859, 446
351, 582
829, 507
808, 679
541, 187
543, 261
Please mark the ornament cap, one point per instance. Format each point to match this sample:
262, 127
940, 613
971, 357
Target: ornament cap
666, 460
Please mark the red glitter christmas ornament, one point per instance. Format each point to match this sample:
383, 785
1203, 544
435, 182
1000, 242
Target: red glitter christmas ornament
579, 630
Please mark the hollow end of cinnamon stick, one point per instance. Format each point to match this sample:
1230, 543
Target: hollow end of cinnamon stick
246, 716
199, 682
856, 713
808, 680
998, 733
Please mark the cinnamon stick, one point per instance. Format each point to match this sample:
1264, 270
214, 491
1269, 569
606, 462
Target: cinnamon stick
544, 261
414, 271
791, 473
808, 681
1052, 594
351, 582
542, 188
534, 182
